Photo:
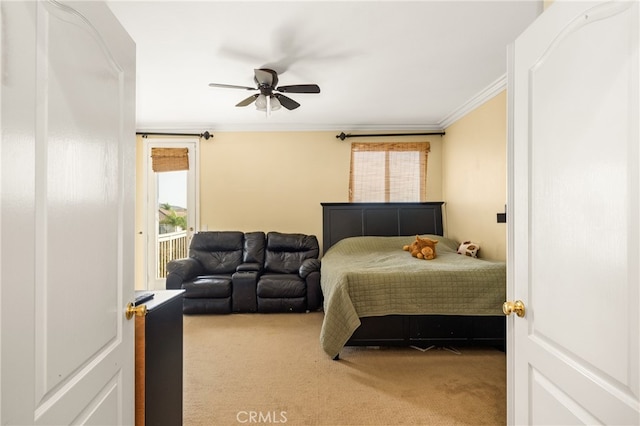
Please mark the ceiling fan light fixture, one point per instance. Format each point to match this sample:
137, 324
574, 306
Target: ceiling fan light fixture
267, 101
275, 104
261, 103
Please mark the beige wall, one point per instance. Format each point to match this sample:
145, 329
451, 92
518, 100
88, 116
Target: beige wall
277, 180
474, 165
139, 224
273, 181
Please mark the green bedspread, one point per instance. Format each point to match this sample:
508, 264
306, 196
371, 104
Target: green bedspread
373, 276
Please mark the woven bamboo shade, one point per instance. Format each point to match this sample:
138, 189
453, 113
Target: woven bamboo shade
388, 172
169, 159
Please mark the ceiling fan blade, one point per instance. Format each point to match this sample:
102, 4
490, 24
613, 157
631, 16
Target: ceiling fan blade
231, 86
266, 77
300, 88
286, 102
248, 101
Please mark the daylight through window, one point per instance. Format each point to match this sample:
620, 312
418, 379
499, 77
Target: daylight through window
388, 172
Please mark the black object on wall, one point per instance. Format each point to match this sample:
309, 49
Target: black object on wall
502, 217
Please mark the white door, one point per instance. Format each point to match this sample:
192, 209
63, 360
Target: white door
67, 210
574, 204
170, 193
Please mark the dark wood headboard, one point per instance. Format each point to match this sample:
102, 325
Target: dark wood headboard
342, 220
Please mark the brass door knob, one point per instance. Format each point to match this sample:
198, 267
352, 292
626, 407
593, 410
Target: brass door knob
132, 310
510, 307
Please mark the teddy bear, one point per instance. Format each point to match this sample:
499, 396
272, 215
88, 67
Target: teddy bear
422, 248
468, 248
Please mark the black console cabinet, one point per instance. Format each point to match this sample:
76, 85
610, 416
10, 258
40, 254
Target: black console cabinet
159, 361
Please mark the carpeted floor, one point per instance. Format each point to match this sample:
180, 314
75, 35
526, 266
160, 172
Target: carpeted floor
256, 368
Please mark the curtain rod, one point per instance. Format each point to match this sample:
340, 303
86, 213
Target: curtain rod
205, 135
342, 136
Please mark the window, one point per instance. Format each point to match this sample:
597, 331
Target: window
387, 172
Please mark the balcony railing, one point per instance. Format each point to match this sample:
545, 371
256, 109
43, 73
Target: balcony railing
172, 245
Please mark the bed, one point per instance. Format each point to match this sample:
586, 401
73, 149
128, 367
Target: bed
376, 294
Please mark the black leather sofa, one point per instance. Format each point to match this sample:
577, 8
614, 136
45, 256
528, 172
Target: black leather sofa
232, 271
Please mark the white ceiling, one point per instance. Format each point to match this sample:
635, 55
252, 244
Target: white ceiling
380, 64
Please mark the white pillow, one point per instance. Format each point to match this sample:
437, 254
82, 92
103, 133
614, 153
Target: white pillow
469, 249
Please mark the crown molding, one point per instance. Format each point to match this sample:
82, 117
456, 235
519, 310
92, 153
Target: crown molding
489, 92
279, 127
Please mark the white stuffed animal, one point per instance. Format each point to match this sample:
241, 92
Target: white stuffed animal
468, 248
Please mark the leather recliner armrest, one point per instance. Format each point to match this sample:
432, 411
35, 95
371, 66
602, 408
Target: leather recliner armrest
180, 270
248, 267
308, 266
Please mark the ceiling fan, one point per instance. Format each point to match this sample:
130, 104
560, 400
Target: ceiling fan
269, 99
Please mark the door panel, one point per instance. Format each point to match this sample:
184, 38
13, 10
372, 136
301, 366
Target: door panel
576, 219
63, 308
579, 148
79, 194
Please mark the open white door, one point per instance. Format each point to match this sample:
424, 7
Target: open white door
574, 217
67, 211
